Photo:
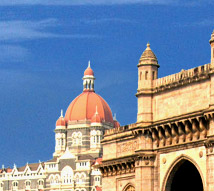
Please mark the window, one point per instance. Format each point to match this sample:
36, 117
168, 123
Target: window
146, 75
40, 182
77, 138
1, 185
57, 179
97, 180
80, 178
153, 75
51, 179
15, 184
67, 175
95, 138
83, 163
27, 183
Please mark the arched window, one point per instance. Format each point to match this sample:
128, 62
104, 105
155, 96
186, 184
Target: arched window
41, 182
77, 138
80, 178
15, 184
67, 175
146, 75
27, 183
57, 178
153, 75
83, 177
1, 185
95, 138
97, 180
51, 178
77, 178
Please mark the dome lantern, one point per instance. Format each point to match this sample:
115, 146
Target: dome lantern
88, 79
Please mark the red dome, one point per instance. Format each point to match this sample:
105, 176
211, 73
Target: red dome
60, 122
88, 72
84, 106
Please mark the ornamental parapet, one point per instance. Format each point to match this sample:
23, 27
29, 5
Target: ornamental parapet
191, 127
179, 79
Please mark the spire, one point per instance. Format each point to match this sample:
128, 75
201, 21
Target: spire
61, 113
96, 113
114, 118
88, 78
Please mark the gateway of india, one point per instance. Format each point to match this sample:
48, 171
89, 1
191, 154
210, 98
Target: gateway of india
169, 148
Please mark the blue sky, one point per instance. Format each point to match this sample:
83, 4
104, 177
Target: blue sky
45, 46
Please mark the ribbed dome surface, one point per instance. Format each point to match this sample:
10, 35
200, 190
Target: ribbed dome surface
88, 72
84, 107
148, 54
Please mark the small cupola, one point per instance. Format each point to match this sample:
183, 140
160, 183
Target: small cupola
61, 120
96, 117
116, 123
88, 79
148, 57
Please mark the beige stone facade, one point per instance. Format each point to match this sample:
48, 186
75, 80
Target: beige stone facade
170, 147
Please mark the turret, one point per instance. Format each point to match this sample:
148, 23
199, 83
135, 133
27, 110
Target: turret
60, 135
212, 48
147, 73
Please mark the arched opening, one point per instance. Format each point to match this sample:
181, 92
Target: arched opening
129, 188
184, 176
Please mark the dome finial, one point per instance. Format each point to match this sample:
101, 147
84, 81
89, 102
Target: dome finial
114, 118
61, 113
96, 111
89, 64
148, 44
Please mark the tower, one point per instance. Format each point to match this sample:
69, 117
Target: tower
212, 48
60, 136
147, 73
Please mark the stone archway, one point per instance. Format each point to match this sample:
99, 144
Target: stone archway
184, 176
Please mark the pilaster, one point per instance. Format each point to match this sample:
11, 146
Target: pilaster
209, 144
144, 173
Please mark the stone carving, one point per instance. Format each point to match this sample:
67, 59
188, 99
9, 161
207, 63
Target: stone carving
127, 147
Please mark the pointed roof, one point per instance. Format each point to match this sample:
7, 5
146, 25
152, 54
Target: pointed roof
89, 71
148, 57
61, 120
67, 154
148, 53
